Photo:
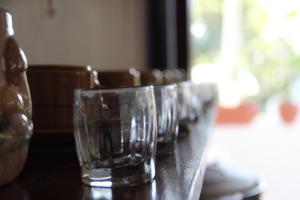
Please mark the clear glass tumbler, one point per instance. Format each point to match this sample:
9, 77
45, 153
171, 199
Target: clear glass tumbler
186, 111
197, 100
115, 133
167, 117
203, 94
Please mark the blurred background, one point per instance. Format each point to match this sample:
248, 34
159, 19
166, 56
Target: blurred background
249, 48
254, 45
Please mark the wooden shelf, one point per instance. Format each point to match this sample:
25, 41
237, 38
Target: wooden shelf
55, 174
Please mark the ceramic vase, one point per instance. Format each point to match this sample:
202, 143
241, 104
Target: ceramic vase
15, 103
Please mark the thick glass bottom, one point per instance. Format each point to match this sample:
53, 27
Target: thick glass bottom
183, 130
165, 148
121, 176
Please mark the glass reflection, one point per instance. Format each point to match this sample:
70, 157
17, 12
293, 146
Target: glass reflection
95, 193
145, 191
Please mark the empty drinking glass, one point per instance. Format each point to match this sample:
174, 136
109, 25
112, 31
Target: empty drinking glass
207, 95
115, 133
197, 100
167, 117
185, 101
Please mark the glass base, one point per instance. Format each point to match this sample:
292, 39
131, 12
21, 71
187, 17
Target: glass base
183, 130
121, 176
165, 148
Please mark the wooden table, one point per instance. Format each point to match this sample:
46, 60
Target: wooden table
55, 174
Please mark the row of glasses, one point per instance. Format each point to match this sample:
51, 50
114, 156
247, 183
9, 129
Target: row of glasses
119, 131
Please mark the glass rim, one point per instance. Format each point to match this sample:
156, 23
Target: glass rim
160, 84
113, 90
165, 85
185, 82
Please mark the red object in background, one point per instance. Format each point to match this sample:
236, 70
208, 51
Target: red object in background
288, 112
241, 114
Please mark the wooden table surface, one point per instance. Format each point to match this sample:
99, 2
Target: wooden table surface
55, 174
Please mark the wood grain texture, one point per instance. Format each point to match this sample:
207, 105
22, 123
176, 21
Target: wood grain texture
55, 174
